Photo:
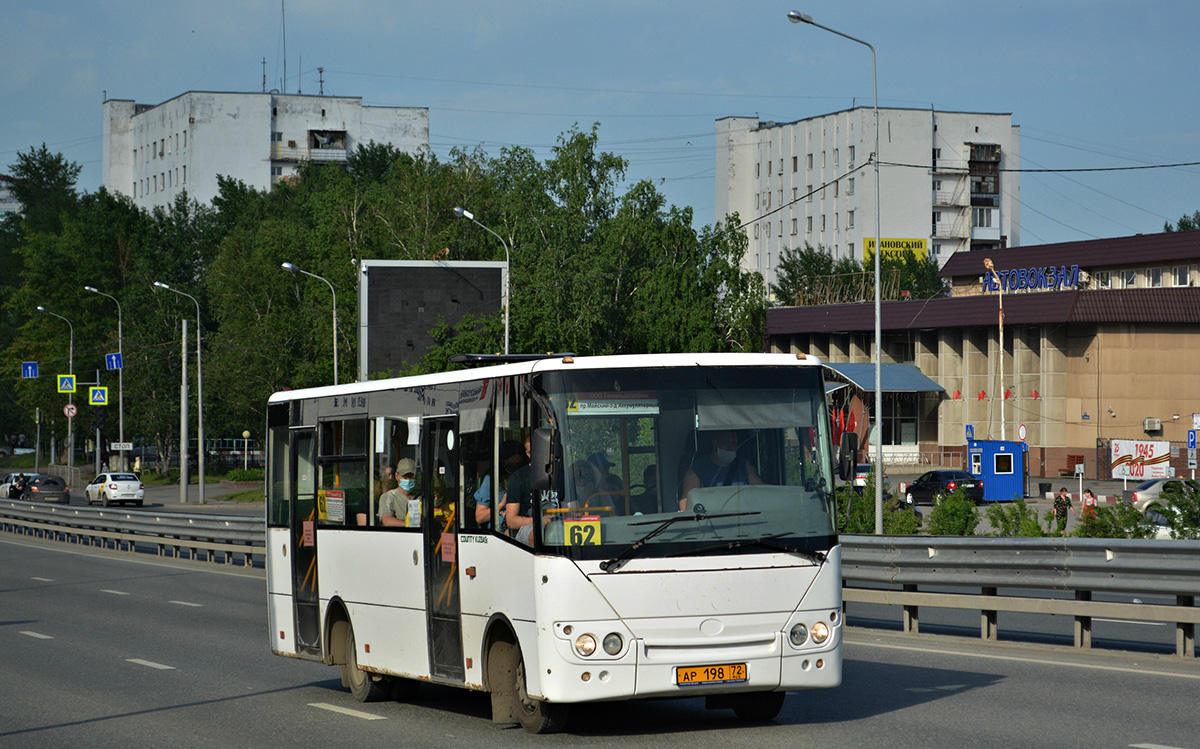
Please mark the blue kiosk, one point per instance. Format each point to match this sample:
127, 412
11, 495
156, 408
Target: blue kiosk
1003, 466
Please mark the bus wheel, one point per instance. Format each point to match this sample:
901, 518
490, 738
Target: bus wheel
537, 716
365, 687
758, 707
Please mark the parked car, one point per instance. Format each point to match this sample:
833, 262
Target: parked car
113, 488
7, 485
47, 489
861, 472
933, 484
1149, 492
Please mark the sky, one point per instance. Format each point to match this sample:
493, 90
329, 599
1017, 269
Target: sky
1092, 84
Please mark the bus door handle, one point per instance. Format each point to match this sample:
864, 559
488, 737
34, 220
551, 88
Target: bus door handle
471, 572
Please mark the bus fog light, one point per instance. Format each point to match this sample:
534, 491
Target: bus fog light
585, 645
586, 676
798, 635
613, 643
820, 632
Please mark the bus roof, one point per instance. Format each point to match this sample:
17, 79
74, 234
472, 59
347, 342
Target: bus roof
565, 363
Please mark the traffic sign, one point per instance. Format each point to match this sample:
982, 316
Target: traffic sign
66, 383
970, 431
29, 369
69, 410
118, 446
1191, 439
98, 396
113, 361
1021, 432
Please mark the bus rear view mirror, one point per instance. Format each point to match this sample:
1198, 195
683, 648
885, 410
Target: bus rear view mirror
540, 459
847, 455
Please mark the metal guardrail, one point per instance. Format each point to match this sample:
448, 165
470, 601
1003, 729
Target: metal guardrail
1078, 567
896, 566
172, 533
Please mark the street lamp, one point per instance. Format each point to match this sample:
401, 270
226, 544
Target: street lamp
987, 263
120, 375
293, 269
199, 394
796, 17
464, 213
70, 396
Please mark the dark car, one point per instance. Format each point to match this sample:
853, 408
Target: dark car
929, 486
47, 489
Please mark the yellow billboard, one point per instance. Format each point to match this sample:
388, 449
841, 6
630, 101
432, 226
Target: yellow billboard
895, 246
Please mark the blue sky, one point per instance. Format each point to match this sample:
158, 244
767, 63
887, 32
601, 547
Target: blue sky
1092, 84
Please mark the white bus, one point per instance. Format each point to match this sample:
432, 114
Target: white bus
678, 541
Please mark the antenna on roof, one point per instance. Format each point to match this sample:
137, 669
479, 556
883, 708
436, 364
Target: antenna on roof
283, 16
264, 75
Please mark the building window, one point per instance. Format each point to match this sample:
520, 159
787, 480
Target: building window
276, 137
837, 218
808, 224
937, 154
1102, 279
850, 249
1156, 278
795, 226
795, 164
823, 154
185, 174
835, 188
851, 155
810, 161
757, 201
937, 215
1181, 275
756, 231
835, 157
1129, 279
849, 219
935, 251
810, 193
185, 138
983, 217
768, 199
781, 166
277, 171
780, 234
850, 186
822, 222
757, 170
795, 194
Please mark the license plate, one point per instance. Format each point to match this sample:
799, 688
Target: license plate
726, 673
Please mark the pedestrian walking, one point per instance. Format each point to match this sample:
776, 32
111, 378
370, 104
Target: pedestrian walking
1062, 504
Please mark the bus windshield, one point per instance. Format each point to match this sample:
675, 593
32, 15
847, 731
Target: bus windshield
703, 460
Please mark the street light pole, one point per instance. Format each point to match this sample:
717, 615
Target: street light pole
294, 269
120, 376
796, 17
70, 396
199, 389
464, 213
987, 263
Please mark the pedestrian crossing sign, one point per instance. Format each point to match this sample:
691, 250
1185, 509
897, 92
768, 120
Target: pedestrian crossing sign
98, 396
66, 383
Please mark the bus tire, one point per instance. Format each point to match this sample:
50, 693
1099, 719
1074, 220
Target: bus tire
364, 686
536, 716
758, 707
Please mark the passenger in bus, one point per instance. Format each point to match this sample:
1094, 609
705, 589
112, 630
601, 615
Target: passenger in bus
401, 507
385, 474
720, 467
518, 510
512, 457
647, 501
585, 482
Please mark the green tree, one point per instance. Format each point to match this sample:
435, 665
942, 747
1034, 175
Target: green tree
44, 184
1185, 223
1014, 519
953, 515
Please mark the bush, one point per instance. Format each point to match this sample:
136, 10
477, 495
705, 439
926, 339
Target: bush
1014, 519
239, 474
953, 515
898, 518
1116, 521
1182, 510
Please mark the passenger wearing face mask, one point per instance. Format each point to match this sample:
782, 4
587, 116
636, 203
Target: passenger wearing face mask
720, 467
401, 506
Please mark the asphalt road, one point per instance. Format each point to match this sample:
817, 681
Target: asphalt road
108, 650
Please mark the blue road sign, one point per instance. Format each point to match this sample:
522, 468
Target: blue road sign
29, 369
1191, 439
98, 396
970, 431
66, 383
113, 361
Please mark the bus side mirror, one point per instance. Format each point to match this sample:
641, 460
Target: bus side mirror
847, 454
540, 459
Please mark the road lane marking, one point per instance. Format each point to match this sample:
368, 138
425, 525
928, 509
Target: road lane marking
1153, 746
185, 603
43, 579
150, 664
37, 635
1019, 659
114, 592
346, 711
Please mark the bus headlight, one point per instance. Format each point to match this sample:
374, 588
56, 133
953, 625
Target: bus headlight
585, 645
613, 643
798, 635
820, 632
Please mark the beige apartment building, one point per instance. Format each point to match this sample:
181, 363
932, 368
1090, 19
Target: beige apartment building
1100, 343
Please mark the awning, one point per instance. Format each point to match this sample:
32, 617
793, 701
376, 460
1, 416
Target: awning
897, 378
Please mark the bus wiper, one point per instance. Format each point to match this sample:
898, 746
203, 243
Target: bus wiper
630, 552
818, 557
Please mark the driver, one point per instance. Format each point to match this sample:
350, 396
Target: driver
721, 467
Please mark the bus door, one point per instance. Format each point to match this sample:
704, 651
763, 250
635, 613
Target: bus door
304, 542
440, 503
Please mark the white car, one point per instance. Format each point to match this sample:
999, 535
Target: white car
112, 488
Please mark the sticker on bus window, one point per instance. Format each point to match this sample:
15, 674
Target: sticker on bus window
582, 531
613, 404
334, 506
321, 504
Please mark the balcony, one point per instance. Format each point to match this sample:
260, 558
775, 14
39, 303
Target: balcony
290, 152
951, 199
951, 166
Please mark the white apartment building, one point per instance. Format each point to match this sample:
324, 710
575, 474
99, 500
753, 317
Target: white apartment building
8, 201
153, 152
944, 182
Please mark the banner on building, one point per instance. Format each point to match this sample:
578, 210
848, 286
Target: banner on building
894, 246
1141, 459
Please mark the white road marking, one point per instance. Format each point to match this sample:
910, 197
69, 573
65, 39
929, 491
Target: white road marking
150, 664
1154, 746
346, 711
114, 592
37, 635
185, 603
43, 579
1040, 661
